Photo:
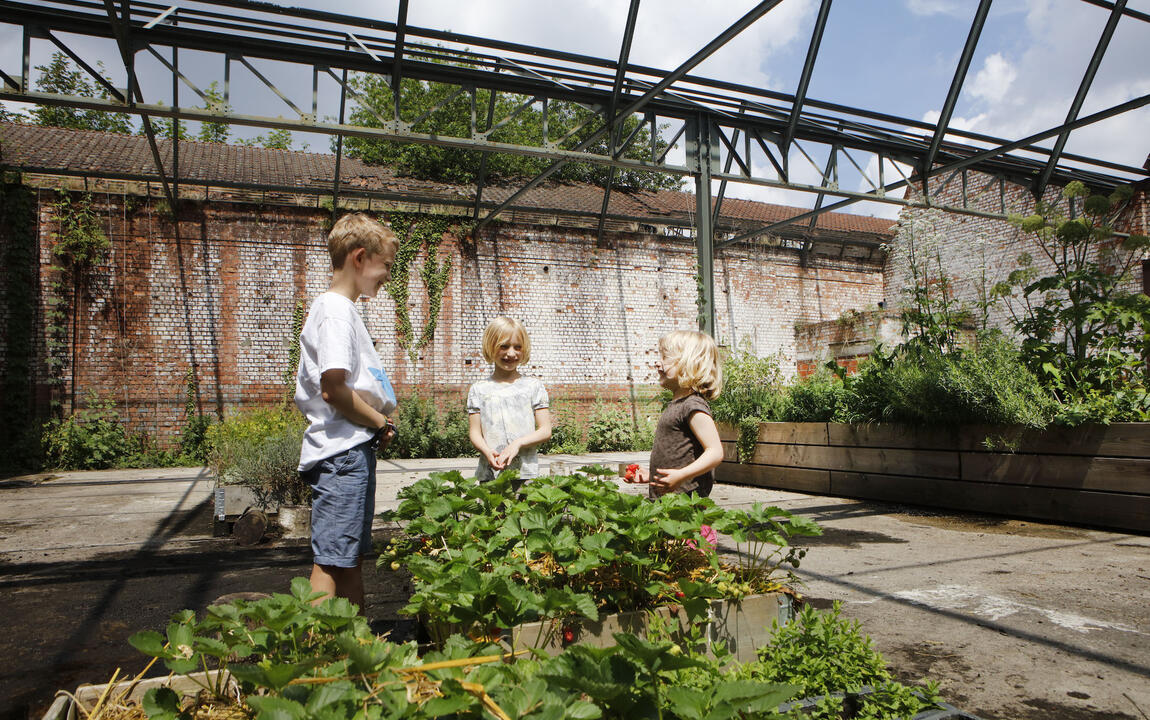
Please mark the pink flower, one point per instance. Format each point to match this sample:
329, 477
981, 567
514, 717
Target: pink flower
709, 535
710, 540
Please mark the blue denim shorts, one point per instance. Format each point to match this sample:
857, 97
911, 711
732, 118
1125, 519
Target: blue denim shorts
342, 506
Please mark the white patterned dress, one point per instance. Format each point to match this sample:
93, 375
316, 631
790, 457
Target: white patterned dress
507, 412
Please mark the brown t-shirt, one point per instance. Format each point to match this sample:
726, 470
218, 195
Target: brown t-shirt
676, 446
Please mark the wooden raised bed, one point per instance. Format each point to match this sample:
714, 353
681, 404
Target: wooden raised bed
1095, 475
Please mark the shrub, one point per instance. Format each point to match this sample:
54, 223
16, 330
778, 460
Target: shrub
752, 387
986, 385
425, 431
260, 449
611, 428
194, 438
91, 438
822, 653
816, 398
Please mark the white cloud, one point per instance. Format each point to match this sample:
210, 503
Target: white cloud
993, 81
938, 7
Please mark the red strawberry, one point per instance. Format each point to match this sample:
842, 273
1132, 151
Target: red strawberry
679, 594
568, 636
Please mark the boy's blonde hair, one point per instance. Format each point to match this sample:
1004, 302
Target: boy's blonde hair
504, 328
356, 230
696, 358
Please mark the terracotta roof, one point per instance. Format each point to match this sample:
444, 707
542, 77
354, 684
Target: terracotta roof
47, 149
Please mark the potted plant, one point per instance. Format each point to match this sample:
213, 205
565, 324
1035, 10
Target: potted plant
254, 456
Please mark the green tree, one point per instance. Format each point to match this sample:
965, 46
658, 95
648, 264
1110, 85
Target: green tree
453, 118
211, 132
60, 76
1083, 329
7, 115
274, 140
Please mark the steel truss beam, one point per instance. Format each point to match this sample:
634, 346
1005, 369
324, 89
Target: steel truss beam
297, 37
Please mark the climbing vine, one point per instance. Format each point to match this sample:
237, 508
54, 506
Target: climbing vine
416, 232
18, 217
299, 314
78, 245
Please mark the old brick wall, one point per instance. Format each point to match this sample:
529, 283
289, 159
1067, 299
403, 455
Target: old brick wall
973, 252
216, 293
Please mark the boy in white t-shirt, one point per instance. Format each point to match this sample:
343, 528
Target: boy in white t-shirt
343, 390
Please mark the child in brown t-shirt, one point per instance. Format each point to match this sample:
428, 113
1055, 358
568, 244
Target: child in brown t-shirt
687, 448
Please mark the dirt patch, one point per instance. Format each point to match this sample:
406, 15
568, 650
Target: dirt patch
983, 524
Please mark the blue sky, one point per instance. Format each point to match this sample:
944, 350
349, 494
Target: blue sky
893, 56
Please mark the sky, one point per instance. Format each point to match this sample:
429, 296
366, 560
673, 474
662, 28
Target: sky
892, 56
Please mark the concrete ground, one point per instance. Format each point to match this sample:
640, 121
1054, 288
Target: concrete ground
1015, 620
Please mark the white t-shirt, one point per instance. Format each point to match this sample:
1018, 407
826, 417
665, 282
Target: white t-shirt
507, 412
335, 338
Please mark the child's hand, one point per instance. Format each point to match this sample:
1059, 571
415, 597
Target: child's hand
664, 480
508, 454
493, 460
635, 474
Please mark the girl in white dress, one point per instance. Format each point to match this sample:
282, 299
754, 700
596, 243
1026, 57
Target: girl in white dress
507, 412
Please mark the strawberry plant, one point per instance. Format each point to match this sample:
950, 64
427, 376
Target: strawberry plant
574, 546
284, 658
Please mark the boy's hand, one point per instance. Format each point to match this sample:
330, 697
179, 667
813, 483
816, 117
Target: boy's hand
665, 481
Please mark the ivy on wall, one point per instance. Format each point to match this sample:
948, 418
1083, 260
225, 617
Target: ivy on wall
416, 232
78, 245
299, 315
17, 421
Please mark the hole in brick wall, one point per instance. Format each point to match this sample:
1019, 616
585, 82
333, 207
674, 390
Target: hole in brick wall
545, 268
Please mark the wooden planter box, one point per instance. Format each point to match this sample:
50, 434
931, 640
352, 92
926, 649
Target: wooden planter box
744, 626
64, 708
230, 501
1095, 475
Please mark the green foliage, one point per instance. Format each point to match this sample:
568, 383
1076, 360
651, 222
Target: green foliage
752, 393
416, 232
260, 449
426, 430
572, 546
211, 132
277, 139
567, 434
1084, 332
91, 438
299, 315
819, 397
985, 385
611, 428
293, 659
441, 112
60, 76
823, 653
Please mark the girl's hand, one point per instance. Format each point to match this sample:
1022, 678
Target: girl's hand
635, 474
493, 460
667, 480
508, 454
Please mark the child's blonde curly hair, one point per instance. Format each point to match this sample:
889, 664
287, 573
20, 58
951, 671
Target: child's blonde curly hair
696, 359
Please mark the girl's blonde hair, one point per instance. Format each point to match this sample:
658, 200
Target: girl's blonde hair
500, 330
696, 358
